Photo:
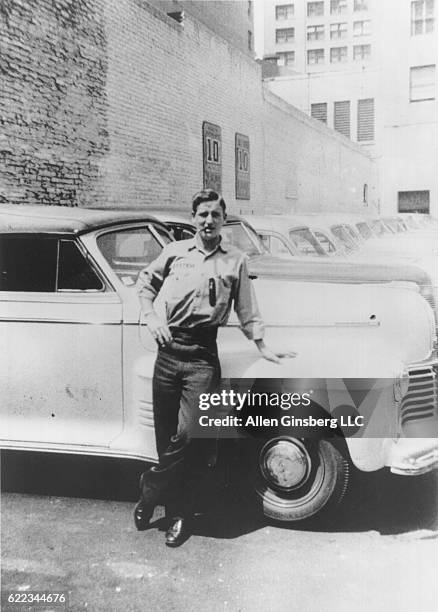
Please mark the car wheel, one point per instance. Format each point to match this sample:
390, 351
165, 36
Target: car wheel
294, 479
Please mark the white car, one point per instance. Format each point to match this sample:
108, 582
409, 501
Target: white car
76, 368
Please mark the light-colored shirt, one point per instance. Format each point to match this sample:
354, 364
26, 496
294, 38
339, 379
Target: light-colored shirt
198, 287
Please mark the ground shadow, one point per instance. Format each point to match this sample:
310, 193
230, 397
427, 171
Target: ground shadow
379, 501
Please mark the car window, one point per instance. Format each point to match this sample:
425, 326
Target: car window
44, 263
74, 271
180, 232
342, 235
305, 242
379, 227
162, 233
325, 242
236, 235
275, 245
28, 263
364, 230
128, 251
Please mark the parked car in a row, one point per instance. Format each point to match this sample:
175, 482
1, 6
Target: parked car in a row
76, 369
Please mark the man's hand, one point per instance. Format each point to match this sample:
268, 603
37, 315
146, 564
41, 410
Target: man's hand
158, 329
272, 355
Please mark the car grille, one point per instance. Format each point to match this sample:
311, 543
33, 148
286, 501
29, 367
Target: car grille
420, 401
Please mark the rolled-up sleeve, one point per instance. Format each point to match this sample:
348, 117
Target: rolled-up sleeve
245, 305
150, 280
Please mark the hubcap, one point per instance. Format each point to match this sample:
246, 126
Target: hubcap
285, 463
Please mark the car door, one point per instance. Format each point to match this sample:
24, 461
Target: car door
60, 370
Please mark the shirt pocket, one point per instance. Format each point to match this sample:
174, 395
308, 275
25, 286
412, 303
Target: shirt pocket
223, 286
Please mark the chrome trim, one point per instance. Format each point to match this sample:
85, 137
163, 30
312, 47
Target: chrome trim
421, 399
63, 321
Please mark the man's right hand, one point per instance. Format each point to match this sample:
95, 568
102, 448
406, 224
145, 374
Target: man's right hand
158, 329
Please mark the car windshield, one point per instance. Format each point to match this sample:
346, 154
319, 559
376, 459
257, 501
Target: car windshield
379, 227
342, 235
129, 250
243, 238
364, 230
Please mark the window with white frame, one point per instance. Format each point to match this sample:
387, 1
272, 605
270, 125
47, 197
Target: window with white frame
362, 28
315, 9
338, 30
315, 32
338, 55
315, 56
284, 35
422, 83
338, 7
284, 11
361, 5
361, 53
422, 17
287, 58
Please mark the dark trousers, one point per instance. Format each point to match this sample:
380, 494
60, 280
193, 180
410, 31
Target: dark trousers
183, 371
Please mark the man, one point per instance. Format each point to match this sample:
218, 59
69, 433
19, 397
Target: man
198, 279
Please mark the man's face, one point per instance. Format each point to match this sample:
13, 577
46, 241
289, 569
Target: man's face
208, 220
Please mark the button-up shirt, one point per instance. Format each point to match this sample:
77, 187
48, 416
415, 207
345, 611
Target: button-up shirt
198, 287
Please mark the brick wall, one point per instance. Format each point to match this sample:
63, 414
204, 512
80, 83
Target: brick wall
53, 107
104, 105
231, 19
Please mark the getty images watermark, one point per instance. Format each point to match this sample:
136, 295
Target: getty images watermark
241, 411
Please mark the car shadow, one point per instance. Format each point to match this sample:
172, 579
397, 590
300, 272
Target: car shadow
380, 501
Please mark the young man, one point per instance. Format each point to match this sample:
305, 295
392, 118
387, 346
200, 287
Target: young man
199, 280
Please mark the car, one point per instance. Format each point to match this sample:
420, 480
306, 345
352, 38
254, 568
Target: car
76, 369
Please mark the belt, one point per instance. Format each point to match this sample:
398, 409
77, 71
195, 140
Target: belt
202, 336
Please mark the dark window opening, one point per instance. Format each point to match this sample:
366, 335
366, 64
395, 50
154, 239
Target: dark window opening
74, 271
46, 264
414, 201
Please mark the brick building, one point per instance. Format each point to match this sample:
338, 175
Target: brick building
108, 103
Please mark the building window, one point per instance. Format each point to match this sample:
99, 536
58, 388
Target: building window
315, 9
284, 35
315, 56
361, 53
362, 28
249, 40
338, 7
338, 30
422, 83
338, 55
284, 11
361, 5
315, 32
414, 201
287, 58
342, 117
319, 111
422, 17
365, 120
365, 194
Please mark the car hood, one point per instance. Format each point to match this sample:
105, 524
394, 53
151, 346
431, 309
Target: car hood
329, 271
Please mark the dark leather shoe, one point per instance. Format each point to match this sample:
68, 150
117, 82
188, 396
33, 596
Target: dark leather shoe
142, 515
178, 532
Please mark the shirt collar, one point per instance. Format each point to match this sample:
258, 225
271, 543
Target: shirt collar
197, 244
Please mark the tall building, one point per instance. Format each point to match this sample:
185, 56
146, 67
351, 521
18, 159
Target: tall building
368, 69
233, 20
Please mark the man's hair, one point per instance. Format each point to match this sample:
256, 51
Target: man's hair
207, 195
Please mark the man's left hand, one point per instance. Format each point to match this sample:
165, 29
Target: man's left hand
274, 356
